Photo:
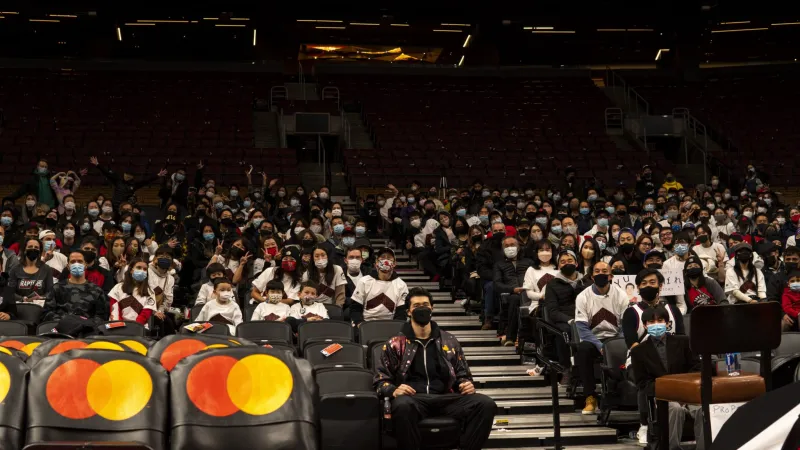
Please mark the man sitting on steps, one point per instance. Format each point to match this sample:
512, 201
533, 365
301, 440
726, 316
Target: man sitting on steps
424, 370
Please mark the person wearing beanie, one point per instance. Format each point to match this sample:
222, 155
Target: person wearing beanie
700, 289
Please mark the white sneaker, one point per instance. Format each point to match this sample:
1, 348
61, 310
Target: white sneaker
642, 434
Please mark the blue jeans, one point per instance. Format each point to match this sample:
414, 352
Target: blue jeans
488, 299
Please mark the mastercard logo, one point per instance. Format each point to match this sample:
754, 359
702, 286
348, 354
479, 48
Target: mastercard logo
178, 350
21, 346
5, 382
6, 351
82, 388
257, 385
74, 345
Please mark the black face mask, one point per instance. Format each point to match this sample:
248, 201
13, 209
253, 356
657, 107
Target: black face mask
743, 257
228, 222
236, 252
694, 272
169, 228
32, 254
89, 257
265, 233
477, 238
568, 269
307, 243
498, 236
524, 232
762, 227
633, 209
601, 280
626, 248
51, 222
655, 266
649, 293
770, 261
422, 316
531, 216
703, 238
704, 219
790, 266
200, 213
461, 230
618, 271
510, 207
241, 222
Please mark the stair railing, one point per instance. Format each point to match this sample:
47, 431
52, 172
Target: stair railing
282, 128
302, 79
614, 119
697, 130
637, 104
331, 92
277, 93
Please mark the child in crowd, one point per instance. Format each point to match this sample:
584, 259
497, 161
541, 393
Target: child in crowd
214, 271
223, 308
791, 302
310, 309
276, 308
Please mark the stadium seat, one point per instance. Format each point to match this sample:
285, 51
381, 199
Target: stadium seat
25, 344
172, 349
138, 344
128, 329
349, 409
52, 347
265, 331
351, 355
47, 327
323, 331
13, 328
12, 403
196, 311
334, 312
29, 312
372, 331
98, 395
617, 391
216, 329
239, 398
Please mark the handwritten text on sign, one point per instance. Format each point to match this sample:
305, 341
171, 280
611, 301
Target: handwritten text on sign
673, 284
720, 413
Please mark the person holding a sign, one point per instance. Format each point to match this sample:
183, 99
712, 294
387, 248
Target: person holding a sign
676, 263
650, 283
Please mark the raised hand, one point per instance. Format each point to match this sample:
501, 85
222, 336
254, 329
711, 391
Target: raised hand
83, 172
249, 172
243, 259
218, 250
200, 165
93, 161
162, 172
272, 182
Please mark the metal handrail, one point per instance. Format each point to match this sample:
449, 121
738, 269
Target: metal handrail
275, 94
698, 131
328, 92
614, 112
302, 79
632, 98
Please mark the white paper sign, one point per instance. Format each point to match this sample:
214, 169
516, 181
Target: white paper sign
673, 284
720, 413
628, 284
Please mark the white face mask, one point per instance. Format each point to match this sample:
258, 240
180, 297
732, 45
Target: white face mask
30, 203
107, 210
298, 230
140, 236
316, 228
69, 233
510, 252
323, 195
225, 296
336, 213
416, 223
354, 265
275, 298
321, 263
69, 206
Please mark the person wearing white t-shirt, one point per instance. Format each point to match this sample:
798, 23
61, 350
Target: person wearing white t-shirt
329, 277
310, 309
133, 300
51, 255
744, 283
380, 296
711, 254
539, 273
275, 308
287, 273
223, 308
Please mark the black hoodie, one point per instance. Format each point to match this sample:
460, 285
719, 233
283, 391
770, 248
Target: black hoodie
428, 373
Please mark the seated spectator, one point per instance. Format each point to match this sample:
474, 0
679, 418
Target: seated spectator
700, 288
8, 259
649, 282
509, 276
676, 263
213, 271
654, 259
223, 307
744, 283
288, 274
133, 299
277, 307
32, 280
310, 308
541, 271
711, 253
328, 278
777, 282
381, 294
791, 302
626, 244
559, 299
76, 296
598, 316
51, 255
94, 272
426, 388
664, 354
161, 281
489, 254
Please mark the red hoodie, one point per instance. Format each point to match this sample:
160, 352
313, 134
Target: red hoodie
791, 302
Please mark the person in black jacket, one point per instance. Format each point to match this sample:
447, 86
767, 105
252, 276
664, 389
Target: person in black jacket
559, 299
175, 189
778, 280
508, 278
39, 185
124, 187
490, 253
200, 219
443, 237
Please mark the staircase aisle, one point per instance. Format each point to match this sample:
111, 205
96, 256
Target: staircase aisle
524, 418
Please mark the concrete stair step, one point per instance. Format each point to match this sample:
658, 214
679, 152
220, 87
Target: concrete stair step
515, 370
474, 333
478, 341
539, 392
540, 406
451, 309
570, 419
507, 381
491, 360
452, 326
570, 437
474, 351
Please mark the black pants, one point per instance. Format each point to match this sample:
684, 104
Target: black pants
512, 306
585, 359
562, 347
476, 413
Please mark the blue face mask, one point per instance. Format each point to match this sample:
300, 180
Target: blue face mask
1, 240
126, 227
649, 207
360, 231
603, 222
6, 221
348, 241
610, 209
591, 198
180, 177
246, 203
541, 220
49, 245
139, 275
484, 219
556, 229
489, 205
461, 212
602, 245
86, 226
657, 330
795, 287
77, 269
219, 205
208, 236
676, 228
257, 222
584, 211
681, 249
338, 229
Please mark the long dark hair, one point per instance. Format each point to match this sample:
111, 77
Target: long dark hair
543, 244
296, 275
583, 264
24, 246
313, 272
110, 257
129, 284
751, 271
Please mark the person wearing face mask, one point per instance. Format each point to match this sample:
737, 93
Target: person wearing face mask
162, 282
752, 183
712, 254
509, 276
328, 278
626, 245
598, 317
76, 296
645, 186
490, 254
682, 250
124, 187
288, 273
175, 188
277, 306
380, 295
430, 382
541, 271
649, 283
200, 219
444, 241
310, 309
700, 289
29, 282
572, 187
8, 259
38, 184
790, 301
777, 280
662, 354
670, 183
223, 308
132, 299
52, 255
353, 274
559, 299
588, 255
745, 283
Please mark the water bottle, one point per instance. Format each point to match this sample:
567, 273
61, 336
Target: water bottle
387, 408
733, 363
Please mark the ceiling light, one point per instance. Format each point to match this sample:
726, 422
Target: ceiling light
400, 25
448, 31
527, 28
134, 24
239, 18
9, 12
466, 41
365, 24
738, 30
661, 50
640, 29
254, 37
553, 32
456, 25
162, 21
330, 28
44, 20
229, 25
119, 34
735, 23
610, 29
780, 24
66, 16
210, 18
461, 61
329, 21
542, 28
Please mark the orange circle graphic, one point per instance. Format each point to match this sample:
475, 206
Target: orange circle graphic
16, 345
179, 350
66, 388
66, 346
207, 386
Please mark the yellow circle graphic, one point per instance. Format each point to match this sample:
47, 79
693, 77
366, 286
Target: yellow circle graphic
136, 346
118, 390
105, 345
5, 382
260, 384
215, 346
29, 348
6, 351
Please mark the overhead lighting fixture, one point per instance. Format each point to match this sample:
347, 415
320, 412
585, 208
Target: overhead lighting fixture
229, 25
210, 18
739, 30
448, 31
780, 24
9, 12
329, 28
400, 25
527, 28
466, 41
542, 28
456, 25
330, 21
66, 16
735, 23
661, 50
365, 24
240, 18
254, 37
44, 20
134, 24
640, 29
162, 21
461, 61
610, 29
119, 34
553, 32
